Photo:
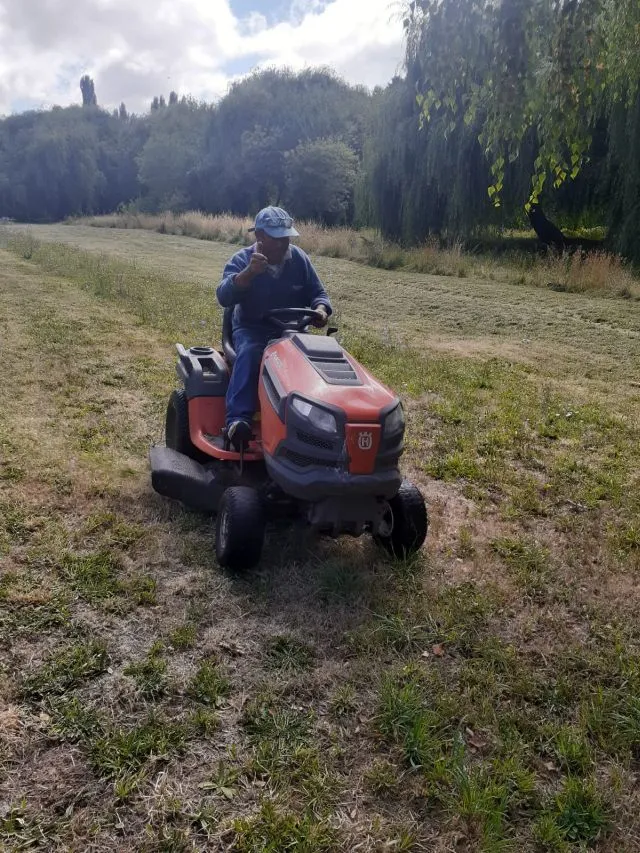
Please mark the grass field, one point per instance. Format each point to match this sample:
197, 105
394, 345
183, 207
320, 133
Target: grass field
598, 271
483, 697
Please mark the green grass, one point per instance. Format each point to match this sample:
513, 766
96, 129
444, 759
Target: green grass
287, 754
21, 830
150, 674
15, 525
28, 618
384, 779
497, 431
183, 637
528, 562
273, 830
223, 781
205, 721
433, 726
71, 720
344, 701
486, 690
95, 576
424, 729
288, 654
98, 578
600, 272
454, 620
577, 814
112, 530
131, 285
572, 749
141, 590
118, 751
209, 685
70, 666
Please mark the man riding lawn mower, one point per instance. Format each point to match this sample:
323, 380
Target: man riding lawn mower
326, 442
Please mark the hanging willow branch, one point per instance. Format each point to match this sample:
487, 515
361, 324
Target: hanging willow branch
513, 68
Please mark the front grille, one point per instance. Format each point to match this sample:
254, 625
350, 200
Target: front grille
303, 461
312, 439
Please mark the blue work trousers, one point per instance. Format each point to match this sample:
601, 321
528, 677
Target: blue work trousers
242, 393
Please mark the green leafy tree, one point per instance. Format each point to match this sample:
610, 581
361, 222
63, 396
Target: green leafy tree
420, 179
320, 179
67, 162
258, 121
173, 148
526, 73
263, 166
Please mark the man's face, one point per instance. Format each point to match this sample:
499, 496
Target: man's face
274, 248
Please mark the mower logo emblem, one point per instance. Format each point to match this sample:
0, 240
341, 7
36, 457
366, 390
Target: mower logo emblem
275, 358
365, 440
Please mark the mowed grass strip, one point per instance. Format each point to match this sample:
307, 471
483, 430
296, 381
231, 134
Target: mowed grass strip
480, 316
599, 271
482, 696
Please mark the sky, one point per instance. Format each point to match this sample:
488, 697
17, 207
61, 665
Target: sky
136, 49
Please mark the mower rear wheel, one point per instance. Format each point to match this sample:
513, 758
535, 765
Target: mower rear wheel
176, 430
409, 523
239, 528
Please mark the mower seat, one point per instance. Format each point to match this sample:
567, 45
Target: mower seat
227, 336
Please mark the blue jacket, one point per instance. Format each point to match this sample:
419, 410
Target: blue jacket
297, 286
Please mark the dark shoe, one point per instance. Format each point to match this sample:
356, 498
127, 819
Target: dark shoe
239, 434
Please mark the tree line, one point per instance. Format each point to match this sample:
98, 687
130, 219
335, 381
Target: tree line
504, 105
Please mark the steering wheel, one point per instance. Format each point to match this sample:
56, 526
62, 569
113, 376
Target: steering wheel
299, 318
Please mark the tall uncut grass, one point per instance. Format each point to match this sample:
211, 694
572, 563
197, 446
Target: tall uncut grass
597, 272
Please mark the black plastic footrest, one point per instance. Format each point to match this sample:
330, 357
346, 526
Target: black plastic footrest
175, 475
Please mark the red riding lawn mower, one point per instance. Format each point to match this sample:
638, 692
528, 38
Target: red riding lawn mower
325, 447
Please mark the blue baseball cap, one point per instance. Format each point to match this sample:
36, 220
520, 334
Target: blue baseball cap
275, 222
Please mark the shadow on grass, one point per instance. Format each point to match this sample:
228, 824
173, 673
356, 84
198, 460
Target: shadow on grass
304, 580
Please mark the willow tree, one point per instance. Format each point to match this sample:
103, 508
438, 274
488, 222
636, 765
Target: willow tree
523, 71
420, 181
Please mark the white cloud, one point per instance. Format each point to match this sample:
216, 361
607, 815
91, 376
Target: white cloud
137, 50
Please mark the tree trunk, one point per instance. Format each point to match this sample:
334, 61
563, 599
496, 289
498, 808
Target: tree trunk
547, 232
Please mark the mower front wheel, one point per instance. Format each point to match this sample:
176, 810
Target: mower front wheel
409, 522
240, 528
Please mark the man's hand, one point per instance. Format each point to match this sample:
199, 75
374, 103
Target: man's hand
320, 321
258, 262
257, 265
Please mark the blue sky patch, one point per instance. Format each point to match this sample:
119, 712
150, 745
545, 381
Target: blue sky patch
274, 11
242, 64
277, 11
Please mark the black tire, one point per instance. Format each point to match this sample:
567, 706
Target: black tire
239, 528
176, 427
410, 522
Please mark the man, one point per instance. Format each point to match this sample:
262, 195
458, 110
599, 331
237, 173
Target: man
270, 274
